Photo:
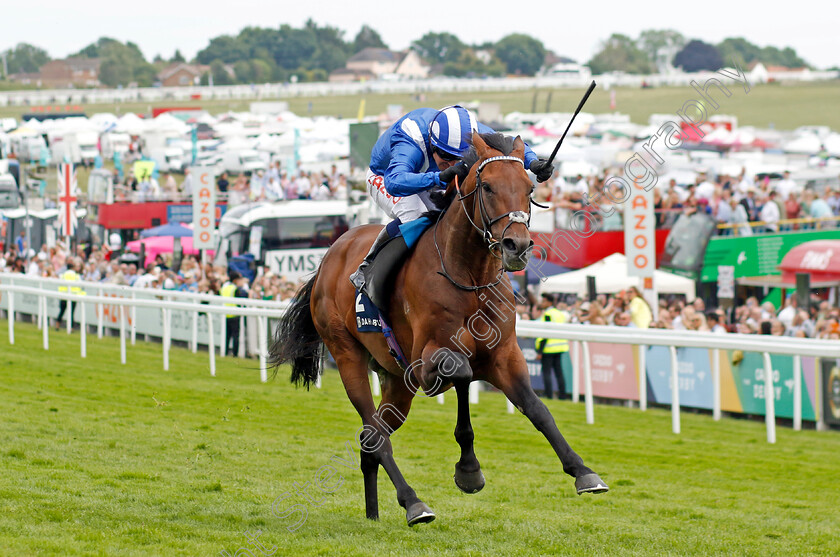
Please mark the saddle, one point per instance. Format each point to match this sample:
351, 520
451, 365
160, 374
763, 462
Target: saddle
372, 304
390, 257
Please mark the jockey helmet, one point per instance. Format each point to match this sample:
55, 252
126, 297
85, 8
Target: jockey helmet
451, 130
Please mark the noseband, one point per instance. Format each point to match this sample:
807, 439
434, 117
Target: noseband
486, 221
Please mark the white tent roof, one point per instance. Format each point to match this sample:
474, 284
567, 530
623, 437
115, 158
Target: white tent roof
130, 123
611, 276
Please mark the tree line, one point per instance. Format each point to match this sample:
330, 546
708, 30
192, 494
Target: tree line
312, 51
657, 49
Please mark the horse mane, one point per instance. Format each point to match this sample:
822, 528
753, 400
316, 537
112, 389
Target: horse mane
442, 199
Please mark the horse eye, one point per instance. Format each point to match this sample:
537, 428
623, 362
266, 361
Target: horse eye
486, 187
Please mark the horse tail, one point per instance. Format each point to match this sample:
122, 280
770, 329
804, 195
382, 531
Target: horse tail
297, 341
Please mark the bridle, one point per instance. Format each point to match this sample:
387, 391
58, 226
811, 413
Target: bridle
486, 221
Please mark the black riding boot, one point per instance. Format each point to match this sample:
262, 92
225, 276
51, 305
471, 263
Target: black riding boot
360, 278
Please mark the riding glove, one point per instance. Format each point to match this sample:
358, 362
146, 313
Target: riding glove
459, 169
542, 169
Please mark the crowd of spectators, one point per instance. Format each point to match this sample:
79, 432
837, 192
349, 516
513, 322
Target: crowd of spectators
105, 266
275, 184
628, 309
732, 201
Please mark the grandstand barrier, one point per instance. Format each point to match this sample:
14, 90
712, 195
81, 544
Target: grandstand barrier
172, 315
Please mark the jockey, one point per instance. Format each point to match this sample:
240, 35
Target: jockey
422, 152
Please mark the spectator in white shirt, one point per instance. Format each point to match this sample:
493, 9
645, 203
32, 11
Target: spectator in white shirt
739, 219
581, 186
789, 312
785, 186
321, 192
339, 188
770, 213
705, 189
187, 184
744, 182
713, 322
304, 186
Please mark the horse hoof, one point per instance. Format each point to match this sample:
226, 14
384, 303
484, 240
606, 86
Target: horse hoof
590, 483
419, 513
469, 482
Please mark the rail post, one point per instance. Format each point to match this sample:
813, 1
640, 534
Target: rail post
83, 329
262, 346
11, 316
122, 334
575, 372
210, 342
769, 399
194, 343
101, 310
716, 384
675, 391
797, 393
642, 377
587, 383
45, 330
133, 317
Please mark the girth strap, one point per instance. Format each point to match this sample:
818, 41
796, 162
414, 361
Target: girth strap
393, 345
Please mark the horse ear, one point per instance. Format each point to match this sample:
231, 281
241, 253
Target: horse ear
518, 148
480, 147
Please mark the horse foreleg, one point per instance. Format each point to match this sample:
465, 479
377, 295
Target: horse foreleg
513, 380
468, 476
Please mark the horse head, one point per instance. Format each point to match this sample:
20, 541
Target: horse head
500, 192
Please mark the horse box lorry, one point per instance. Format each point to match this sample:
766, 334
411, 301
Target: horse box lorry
289, 237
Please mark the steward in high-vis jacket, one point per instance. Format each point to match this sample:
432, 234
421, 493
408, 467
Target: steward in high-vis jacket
71, 274
233, 288
550, 350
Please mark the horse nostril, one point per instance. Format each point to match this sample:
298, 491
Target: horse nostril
508, 244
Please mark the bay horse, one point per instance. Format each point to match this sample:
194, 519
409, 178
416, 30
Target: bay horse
443, 318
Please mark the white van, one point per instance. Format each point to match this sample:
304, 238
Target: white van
244, 160
168, 159
290, 237
88, 146
27, 147
9, 193
115, 142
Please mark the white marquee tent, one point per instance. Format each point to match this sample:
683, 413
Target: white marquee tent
611, 276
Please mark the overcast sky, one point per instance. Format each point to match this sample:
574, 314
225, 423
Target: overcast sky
573, 29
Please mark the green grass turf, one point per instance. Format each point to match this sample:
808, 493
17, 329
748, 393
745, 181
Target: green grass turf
780, 105
97, 458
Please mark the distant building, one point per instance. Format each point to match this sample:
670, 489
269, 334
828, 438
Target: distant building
759, 73
182, 74
26, 78
70, 72
484, 55
566, 68
381, 62
346, 75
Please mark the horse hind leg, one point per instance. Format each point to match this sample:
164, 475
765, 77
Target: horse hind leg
391, 414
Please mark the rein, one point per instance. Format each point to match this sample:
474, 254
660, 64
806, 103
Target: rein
486, 222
